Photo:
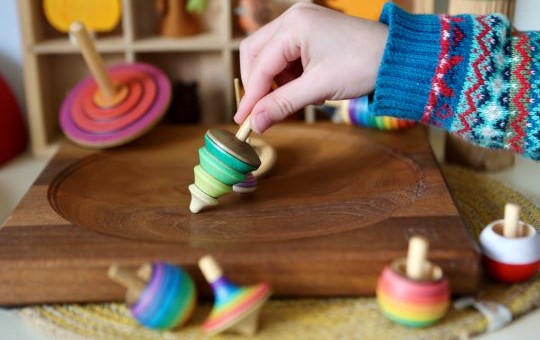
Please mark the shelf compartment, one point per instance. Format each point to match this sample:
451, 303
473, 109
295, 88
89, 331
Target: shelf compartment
208, 70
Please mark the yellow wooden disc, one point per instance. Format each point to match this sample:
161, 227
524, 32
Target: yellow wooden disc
97, 15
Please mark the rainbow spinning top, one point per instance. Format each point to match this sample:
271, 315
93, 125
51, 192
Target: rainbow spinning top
235, 308
357, 112
413, 292
115, 105
510, 247
225, 160
160, 296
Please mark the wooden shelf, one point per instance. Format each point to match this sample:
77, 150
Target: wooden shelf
200, 42
64, 45
52, 68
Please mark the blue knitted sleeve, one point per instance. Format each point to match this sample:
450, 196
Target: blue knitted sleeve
471, 75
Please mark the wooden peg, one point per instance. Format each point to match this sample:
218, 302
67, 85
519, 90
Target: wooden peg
108, 94
416, 268
512, 228
237, 94
145, 272
210, 268
128, 279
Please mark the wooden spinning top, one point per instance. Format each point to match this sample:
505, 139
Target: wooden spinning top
225, 160
510, 247
413, 292
235, 308
159, 295
114, 105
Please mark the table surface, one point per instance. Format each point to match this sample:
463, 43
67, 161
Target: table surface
17, 176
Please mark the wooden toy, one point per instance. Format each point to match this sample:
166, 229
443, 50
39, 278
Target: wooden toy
235, 308
127, 101
253, 14
97, 15
160, 295
511, 248
357, 112
364, 9
175, 20
225, 160
12, 129
413, 292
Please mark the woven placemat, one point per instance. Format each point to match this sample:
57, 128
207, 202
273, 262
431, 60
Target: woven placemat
480, 201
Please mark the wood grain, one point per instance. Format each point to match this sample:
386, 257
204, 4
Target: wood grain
340, 204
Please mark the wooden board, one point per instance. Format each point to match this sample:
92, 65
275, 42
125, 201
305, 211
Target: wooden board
340, 203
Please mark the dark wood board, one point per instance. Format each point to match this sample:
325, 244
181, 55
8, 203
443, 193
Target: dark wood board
340, 203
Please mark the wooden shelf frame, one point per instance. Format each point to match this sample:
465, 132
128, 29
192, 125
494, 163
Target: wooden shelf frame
208, 58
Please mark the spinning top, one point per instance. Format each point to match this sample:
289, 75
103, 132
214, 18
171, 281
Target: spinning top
267, 155
113, 106
413, 292
357, 111
511, 248
159, 296
235, 308
225, 160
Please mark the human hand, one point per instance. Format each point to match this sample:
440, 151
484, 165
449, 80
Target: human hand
314, 54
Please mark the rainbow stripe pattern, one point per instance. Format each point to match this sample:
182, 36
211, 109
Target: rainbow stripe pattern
232, 303
218, 170
412, 303
168, 300
249, 185
358, 112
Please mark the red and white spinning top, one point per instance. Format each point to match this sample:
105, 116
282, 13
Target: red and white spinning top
112, 106
511, 248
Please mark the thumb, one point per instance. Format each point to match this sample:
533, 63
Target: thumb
284, 101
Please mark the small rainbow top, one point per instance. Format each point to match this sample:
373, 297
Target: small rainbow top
357, 111
412, 303
168, 300
233, 303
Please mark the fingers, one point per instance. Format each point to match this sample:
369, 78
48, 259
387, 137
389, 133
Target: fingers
279, 51
286, 100
251, 46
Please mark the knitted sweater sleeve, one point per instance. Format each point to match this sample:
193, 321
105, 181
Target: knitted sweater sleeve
471, 75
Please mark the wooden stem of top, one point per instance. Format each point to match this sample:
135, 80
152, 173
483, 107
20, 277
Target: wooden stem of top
512, 228
128, 279
210, 268
245, 129
93, 59
416, 259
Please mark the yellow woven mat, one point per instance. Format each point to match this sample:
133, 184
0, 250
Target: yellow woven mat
480, 200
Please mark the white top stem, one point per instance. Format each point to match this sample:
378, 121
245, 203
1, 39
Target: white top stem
511, 221
416, 258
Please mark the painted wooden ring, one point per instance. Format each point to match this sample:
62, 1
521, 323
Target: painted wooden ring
233, 303
247, 186
153, 113
411, 303
236, 148
226, 157
136, 107
98, 113
510, 260
218, 169
208, 184
168, 300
